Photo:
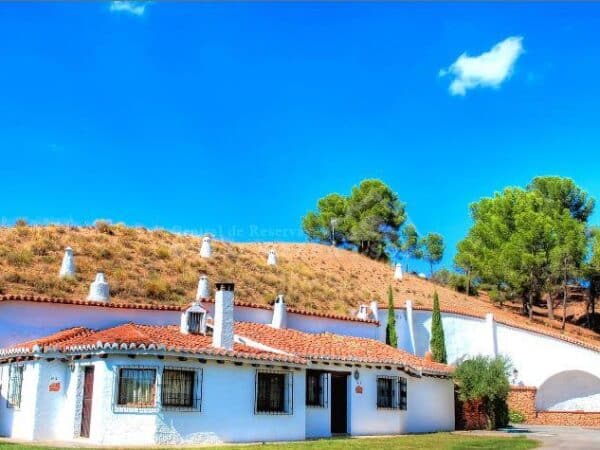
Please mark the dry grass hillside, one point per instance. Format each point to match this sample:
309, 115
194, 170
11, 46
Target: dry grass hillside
163, 267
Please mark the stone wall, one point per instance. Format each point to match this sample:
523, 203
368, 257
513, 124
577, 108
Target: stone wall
522, 399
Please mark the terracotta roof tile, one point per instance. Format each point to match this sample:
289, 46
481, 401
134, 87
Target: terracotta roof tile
333, 347
50, 341
166, 338
65, 301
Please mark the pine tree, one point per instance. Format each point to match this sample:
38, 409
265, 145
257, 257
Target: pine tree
437, 344
390, 333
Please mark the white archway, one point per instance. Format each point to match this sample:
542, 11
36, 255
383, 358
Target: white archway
571, 390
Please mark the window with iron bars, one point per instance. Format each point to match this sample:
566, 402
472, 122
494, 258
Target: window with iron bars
15, 386
274, 392
316, 388
136, 387
181, 389
391, 393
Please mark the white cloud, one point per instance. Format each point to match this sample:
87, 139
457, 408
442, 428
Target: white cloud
490, 69
136, 8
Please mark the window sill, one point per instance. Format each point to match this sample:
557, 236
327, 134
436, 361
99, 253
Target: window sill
273, 413
135, 409
317, 406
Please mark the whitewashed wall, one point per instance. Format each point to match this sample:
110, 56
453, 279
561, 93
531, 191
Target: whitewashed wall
572, 390
21, 321
537, 357
318, 419
227, 410
19, 423
303, 322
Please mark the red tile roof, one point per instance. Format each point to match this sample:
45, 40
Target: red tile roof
333, 347
165, 338
49, 341
153, 307
289, 346
65, 301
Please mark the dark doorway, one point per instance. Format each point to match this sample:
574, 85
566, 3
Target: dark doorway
339, 403
88, 393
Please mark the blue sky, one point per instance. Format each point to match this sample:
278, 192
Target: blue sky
236, 118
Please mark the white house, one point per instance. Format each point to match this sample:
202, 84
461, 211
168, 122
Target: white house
140, 375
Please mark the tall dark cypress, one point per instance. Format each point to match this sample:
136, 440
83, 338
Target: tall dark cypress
437, 343
390, 333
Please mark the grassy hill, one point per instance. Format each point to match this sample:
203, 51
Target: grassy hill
163, 267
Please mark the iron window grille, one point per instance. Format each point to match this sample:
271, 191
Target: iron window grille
136, 388
274, 392
15, 386
316, 388
391, 393
181, 389
197, 322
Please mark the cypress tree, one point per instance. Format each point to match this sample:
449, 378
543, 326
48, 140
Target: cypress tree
390, 333
437, 344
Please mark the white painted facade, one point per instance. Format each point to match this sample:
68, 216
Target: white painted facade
567, 375
226, 411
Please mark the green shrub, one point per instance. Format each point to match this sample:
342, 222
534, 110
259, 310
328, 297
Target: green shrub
486, 379
515, 416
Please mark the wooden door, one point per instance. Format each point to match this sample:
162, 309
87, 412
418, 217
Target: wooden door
339, 403
88, 394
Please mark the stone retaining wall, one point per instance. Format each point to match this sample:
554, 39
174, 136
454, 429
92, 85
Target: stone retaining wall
522, 399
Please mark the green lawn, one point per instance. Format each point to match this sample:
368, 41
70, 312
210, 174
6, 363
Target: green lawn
437, 441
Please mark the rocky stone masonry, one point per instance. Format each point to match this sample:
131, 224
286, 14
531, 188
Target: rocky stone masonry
522, 399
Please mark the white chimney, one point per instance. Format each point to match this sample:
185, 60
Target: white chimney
67, 268
398, 272
279, 313
203, 291
99, 289
374, 310
205, 250
363, 312
223, 321
272, 258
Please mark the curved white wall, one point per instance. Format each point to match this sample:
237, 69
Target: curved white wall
537, 357
572, 390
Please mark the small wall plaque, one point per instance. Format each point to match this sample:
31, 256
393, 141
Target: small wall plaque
54, 387
358, 389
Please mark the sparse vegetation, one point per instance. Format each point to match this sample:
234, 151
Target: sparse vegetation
312, 276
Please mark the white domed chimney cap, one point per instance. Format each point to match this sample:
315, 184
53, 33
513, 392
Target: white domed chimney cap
398, 275
272, 258
67, 268
99, 289
205, 249
203, 291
